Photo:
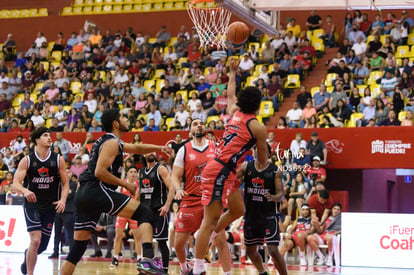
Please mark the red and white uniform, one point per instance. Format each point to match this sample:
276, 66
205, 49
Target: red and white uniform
219, 179
194, 160
302, 225
322, 236
120, 221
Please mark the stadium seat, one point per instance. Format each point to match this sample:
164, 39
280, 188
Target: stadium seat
4, 14
39, 85
158, 6
402, 115
98, 3
33, 97
137, 8
152, 40
170, 122
402, 51
107, 9
260, 119
179, 5
77, 10
318, 44
369, 39
250, 81
266, 109
361, 89
159, 85
14, 13
97, 9
375, 90
78, 3
66, 11
354, 118
373, 77
45, 65
24, 13
75, 86
212, 118
127, 8
330, 79
18, 100
43, 12
314, 90
181, 60
184, 94
192, 92
382, 38
148, 84
48, 122
292, 82
56, 55
410, 39
146, 7
117, 9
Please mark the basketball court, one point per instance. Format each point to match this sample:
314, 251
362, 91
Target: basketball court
10, 265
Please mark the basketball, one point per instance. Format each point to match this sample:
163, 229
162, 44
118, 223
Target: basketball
238, 33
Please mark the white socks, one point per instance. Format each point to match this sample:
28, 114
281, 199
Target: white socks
319, 253
301, 253
243, 252
198, 266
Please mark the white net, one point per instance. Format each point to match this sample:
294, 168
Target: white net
211, 23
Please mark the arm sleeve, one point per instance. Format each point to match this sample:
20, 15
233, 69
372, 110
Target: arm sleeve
179, 158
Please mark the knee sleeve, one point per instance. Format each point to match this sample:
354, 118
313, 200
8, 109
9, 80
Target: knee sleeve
230, 239
147, 250
44, 241
165, 253
76, 251
142, 215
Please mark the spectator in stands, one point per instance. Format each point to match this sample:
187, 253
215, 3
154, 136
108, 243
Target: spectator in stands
361, 74
320, 205
314, 21
406, 19
303, 97
315, 173
294, 28
377, 62
297, 233
55, 126
388, 84
296, 144
95, 126
340, 113
329, 32
166, 106
151, 125
40, 39
381, 111
78, 167
32, 50
274, 89
282, 124
268, 53
354, 34
316, 147
37, 119
301, 160
297, 193
106, 229
392, 119
5, 105
246, 65
163, 36
339, 93
155, 115
290, 41
324, 234
63, 145
199, 113
321, 98
407, 121
294, 115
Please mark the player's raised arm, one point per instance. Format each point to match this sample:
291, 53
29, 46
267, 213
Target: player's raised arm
231, 87
143, 149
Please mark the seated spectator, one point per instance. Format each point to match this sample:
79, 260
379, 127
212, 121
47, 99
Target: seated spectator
326, 122
95, 126
37, 119
297, 193
340, 113
55, 126
303, 97
105, 228
78, 167
282, 124
381, 111
297, 234
274, 89
409, 119
217, 88
246, 65
154, 114
368, 112
296, 144
398, 100
321, 98
301, 160
192, 103
199, 113
166, 105
388, 84
151, 126
315, 173
338, 94
294, 115
307, 113
392, 119
376, 62
316, 147
79, 127
312, 122
361, 74
320, 205
220, 104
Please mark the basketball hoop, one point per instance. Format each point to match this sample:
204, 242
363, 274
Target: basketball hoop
211, 22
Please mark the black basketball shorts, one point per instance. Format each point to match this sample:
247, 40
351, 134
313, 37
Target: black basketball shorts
255, 234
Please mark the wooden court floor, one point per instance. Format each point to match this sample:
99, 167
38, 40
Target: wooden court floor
10, 265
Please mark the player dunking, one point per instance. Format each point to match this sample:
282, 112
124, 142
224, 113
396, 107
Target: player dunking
41, 173
263, 189
242, 132
132, 177
189, 164
97, 193
154, 180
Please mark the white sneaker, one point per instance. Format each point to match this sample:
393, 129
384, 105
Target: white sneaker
329, 262
321, 261
303, 260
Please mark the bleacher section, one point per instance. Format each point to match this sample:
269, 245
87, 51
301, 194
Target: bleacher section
23, 13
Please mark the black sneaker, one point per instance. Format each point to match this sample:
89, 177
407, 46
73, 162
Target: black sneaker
114, 262
96, 254
190, 255
54, 255
173, 255
150, 266
108, 255
191, 272
23, 267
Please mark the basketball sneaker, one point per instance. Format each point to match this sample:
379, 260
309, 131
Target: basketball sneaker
302, 261
182, 272
150, 266
329, 262
321, 260
23, 267
114, 262
191, 272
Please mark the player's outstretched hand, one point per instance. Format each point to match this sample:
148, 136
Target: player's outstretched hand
179, 194
30, 196
164, 210
233, 64
166, 150
131, 187
60, 206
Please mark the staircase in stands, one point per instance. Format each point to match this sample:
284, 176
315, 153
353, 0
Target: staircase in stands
315, 77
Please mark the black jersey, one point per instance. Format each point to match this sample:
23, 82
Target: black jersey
43, 179
257, 184
88, 176
152, 189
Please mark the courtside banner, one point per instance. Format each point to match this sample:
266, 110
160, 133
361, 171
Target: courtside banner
13, 233
348, 148
377, 240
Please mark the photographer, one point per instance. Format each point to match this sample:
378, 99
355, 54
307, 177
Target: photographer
315, 173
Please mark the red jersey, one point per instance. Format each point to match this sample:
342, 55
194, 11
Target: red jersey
236, 142
194, 163
126, 192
